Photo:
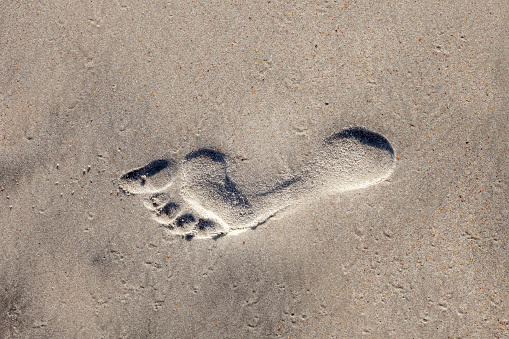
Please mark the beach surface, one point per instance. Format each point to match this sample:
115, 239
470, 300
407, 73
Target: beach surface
186, 169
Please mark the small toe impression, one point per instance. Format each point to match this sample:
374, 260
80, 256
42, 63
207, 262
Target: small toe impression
187, 226
206, 228
148, 179
182, 224
156, 202
169, 210
167, 213
185, 220
205, 224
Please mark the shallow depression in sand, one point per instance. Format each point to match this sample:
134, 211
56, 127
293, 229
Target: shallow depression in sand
196, 198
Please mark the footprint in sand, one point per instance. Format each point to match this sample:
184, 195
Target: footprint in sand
195, 198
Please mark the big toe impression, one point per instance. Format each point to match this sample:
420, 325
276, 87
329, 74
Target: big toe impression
148, 179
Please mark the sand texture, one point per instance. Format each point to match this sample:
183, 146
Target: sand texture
254, 169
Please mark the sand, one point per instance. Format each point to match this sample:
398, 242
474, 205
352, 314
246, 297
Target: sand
254, 169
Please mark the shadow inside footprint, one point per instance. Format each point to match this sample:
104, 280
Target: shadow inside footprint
150, 178
230, 193
185, 219
364, 136
204, 224
225, 187
169, 209
151, 169
207, 153
196, 198
280, 187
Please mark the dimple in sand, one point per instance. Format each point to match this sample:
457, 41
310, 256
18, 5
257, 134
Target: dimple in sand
196, 198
